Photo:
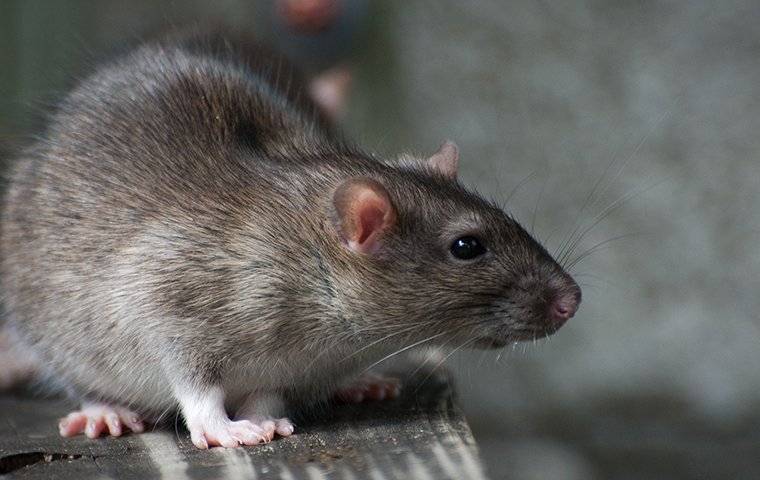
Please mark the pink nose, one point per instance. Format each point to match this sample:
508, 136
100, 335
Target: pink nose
564, 307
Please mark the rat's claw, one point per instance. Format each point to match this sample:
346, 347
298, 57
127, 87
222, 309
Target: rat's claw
95, 418
370, 387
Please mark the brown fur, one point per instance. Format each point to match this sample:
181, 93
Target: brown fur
176, 226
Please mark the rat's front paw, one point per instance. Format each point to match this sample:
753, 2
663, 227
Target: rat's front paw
96, 418
227, 433
370, 386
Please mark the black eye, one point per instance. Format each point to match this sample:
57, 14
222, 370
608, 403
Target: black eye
467, 248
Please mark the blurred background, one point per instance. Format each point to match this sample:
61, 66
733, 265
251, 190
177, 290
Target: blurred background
632, 127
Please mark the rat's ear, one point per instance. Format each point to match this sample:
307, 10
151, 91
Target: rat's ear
445, 160
364, 212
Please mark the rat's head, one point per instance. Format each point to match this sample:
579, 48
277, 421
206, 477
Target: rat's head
444, 261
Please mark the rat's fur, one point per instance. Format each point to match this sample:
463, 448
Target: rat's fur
174, 231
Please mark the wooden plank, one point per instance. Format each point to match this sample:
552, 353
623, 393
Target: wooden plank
420, 435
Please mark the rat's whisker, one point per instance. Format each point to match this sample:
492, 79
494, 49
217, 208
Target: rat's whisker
588, 202
427, 360
607, 211
559, 250
402, 350
519, 185
485, 352
655, 127
176, 426
535, 207
438, 365
595, 248
164, 413
372, 344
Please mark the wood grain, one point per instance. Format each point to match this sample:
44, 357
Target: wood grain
420, 435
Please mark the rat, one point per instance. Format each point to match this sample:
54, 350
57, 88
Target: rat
190, 233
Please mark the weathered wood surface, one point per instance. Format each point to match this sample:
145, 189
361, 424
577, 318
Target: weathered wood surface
420, 435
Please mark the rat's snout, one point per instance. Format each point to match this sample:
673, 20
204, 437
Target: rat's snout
565, 304
548, 302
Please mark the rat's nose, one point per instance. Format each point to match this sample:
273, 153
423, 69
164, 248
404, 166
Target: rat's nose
564, 306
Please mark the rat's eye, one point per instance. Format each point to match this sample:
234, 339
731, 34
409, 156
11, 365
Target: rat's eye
467, 248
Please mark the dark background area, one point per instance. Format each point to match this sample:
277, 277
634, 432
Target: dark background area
635, 123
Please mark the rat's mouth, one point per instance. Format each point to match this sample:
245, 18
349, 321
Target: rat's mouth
491, 342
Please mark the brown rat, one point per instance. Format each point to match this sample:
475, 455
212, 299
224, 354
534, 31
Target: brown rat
189, 233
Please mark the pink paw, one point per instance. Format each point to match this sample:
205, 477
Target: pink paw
280, 426
95, 418
370, 387
232, 433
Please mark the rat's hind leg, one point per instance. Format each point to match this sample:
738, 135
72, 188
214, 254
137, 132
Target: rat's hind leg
263, 410
370, 386
96, 418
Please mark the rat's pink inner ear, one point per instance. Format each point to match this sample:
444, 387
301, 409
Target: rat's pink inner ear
364, 212
446, 159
